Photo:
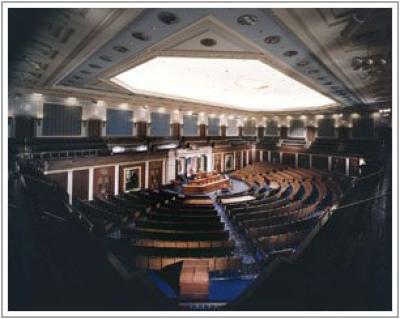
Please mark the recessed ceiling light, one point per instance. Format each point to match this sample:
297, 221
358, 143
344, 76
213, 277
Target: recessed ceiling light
247, 19
273, 39
167, 18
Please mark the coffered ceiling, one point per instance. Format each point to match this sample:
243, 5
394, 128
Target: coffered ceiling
82, 50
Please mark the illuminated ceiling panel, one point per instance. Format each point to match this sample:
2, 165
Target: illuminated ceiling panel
245, 84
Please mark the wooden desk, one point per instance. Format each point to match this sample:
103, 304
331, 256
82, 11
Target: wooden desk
195, 188
237, 199
194, 279
199, 201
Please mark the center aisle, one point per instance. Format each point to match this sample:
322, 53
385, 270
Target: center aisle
243, 247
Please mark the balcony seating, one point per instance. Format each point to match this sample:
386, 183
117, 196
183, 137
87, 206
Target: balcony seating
270, 142
293, 142
325, 145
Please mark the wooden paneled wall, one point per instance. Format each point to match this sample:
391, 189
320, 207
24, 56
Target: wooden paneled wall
284, 132
176, 130
223, 130
155, 174
260, 132
60, 178
141, 129
94, 128
80, 186
203, 130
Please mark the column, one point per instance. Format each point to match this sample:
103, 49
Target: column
209, 162
310, 160
247, 157
116, 179
234, 160
261, 156
163, 172
91, 171
269, 156
280, 157
329, 163
222, 163
296, 160
347, 166
171, 171
69, 185
242, 157
146, 173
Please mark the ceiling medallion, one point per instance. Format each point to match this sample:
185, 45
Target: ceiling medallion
290, 53
272, 39
167, 18
208, 42
247, 19
95, 66
105, 58
141, 36
120, 49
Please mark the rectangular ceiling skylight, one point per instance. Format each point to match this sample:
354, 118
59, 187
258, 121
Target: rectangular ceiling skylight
245, 84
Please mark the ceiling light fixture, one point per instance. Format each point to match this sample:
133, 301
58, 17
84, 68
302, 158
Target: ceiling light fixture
247, 19
243, 88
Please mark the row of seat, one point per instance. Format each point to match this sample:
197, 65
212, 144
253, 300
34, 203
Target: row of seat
214, 263
283, 222
109, 214
180, 230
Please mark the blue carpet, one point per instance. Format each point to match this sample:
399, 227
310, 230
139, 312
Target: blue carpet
162, 285
220, 290
227, 289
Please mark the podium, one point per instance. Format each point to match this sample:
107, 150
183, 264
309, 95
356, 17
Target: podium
194, 279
